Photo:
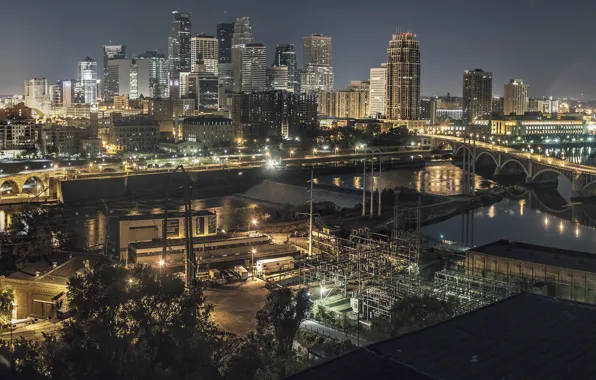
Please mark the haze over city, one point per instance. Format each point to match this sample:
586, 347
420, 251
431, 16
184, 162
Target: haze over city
543, 42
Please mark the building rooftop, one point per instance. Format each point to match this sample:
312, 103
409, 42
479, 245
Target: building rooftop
522, 337
206, 119
171, 214
132, 121
563, 258
67, 266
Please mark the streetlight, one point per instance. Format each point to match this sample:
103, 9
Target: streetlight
254, 222
292, 151
252, 265
314, 151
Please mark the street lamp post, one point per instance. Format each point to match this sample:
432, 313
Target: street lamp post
252, 265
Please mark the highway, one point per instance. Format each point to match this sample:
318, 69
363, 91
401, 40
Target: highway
553, 162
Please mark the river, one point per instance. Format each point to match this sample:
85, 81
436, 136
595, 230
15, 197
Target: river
535, 217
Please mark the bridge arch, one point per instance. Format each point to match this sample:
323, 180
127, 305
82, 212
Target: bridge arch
459, 149
547, 170
518, 163
442, 145
487, 154
33, 186
590, 189
9, 188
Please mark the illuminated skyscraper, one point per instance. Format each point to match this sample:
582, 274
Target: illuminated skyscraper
179, 42
277, 78
317, 71
516, 97
403, 77
111, 52
242, 37
225, 34
254, 66
88, 79
477, 94
205, 48
285, 56
152, 67
378, 90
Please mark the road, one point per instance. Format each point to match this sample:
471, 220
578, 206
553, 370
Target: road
549, 161
33, 332
332, 333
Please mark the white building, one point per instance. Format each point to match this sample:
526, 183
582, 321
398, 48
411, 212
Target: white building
205, 48
378, 90
253, 75
516, 97
88, 79
37, 94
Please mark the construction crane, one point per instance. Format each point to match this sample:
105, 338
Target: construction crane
190, 268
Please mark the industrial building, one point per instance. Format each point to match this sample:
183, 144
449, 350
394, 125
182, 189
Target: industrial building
535, 124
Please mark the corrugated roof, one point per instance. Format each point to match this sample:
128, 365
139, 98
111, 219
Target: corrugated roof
523, 337
563, 258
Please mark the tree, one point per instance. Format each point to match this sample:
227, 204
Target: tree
282, 315
6, 305
413, 313
38, 232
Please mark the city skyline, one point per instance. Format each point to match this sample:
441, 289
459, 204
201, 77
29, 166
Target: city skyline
519, 50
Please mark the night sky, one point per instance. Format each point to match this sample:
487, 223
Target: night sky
547, 43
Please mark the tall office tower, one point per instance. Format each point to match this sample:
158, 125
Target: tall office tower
225, 34
285, 56
516, 97
111, 52
88, 79
317, 72
378, 91
403, 77
118, 78
253, 77
277, 78
205, 48
477, 94
140, 69
67, 90
242, 37
37, 93
158, 75
179, 42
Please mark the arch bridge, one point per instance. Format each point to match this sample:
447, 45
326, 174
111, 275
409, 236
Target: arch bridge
538, 169
25, 187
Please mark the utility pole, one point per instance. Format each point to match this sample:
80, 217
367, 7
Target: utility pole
364, 187
372, 183
311, 216
380, 186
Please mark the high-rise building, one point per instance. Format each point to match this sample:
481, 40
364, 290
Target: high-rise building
118, 78
111, 52
277, 78
139, 78
88, 79
353, 102
264, 114
37, 94
179, 42
242, 37
158, 86
225, 34
205, 48
403, 77
516, 97
317, 71
477, 94
252, 76
64, 93
378, 89
285, 56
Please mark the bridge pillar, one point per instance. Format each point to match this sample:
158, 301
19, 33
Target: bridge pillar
576, 186
497, 172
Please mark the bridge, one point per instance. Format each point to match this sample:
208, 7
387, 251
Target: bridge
40, 186
538, 169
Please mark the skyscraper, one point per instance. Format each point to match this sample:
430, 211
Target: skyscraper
225, 34
242, 37
179, 42
378, 89
285, 56
477, 94
88, 79
118, 78
111, 52
37, 94
277, 78
403, 77
317, 71
158, 75
205, 48
253, 58
516, 97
